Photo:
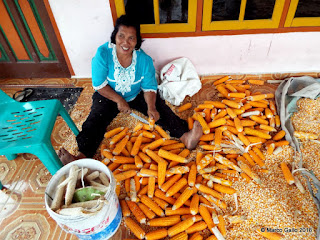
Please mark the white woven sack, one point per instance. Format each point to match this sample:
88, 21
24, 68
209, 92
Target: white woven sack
179, 79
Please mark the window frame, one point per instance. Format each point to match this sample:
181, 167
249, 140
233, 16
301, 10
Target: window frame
292, 21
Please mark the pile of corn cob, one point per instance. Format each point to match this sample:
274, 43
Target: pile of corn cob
182, 193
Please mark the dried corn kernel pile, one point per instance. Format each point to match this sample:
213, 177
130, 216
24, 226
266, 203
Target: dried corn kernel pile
234, 185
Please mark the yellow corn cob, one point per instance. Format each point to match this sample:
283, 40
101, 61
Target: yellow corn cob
256, 158
137, 161
181, 226
257, 97
120, 146
206, 216
184, 107
231, 113
247, 170
222, 226
144, 157
271, 148
171, 156
270, 235
259, 120
162, 167
207, 137
256, 82
192, 175
113, 132
126, 167
203, 123
147, 211
238, 124
257, 133
277, 120
279, 135
197, 227
122, 159
163, 204
136, 146
172, 180
162, 132
232, 104
287, 173
222, 90
156, 234
258, 152
196, 236
223, 189
152, 205
147, 173
119, 136
164, 221
194, 205
125, 175
220, 115
124, 207
148, 134
249, 159
151, 186
155, 144
218, 122
247, 123
176, 187
158, 193
137, 182
135, 228
180, 236
143, 191
187, 193
138, 127
221, 80
205, 189
154, 156
179, 211
136, 211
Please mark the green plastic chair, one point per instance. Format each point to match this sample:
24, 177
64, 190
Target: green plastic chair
26, 127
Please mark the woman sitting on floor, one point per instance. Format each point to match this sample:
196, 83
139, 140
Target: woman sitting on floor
120, 70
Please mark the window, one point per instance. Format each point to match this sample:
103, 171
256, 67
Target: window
241, 14
163, 18
303, 13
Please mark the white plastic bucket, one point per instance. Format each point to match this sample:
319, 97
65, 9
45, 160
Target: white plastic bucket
100, 226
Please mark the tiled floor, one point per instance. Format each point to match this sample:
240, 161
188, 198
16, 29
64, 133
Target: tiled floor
22, 210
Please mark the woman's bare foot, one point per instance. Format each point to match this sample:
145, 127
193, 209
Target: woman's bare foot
191, 138
67, 157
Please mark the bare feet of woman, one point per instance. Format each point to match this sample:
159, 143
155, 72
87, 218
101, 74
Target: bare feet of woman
191, 138
67, 157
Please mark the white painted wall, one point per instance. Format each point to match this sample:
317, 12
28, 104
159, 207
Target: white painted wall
86, 24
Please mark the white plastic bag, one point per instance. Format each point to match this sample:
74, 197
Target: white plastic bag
179, 79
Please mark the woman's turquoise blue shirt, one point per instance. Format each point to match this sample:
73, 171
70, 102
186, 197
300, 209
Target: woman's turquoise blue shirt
127, 82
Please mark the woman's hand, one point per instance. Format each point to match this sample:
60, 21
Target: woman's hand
123, 106
153, 114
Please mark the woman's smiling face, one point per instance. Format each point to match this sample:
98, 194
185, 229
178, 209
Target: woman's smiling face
126, 40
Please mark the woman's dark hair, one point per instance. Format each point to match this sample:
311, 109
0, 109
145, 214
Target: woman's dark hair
127, 21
